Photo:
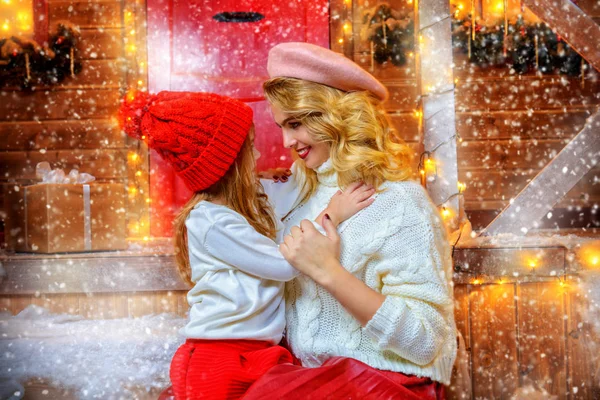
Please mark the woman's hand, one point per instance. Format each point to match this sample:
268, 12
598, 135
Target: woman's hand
317, 256
276, 174
310, 252
345, 204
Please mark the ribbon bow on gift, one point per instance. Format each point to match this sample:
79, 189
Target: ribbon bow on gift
44, 172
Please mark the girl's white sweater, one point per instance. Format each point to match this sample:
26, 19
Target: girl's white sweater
398, 247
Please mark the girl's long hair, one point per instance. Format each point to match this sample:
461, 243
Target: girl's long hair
364, 145
241, 191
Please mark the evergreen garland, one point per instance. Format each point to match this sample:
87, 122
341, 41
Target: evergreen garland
487, 50
25, 63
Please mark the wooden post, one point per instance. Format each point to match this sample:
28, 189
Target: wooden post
552, 183
574, 26
436, 87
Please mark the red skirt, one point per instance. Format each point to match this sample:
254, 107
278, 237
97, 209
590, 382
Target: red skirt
342, 378
221, 369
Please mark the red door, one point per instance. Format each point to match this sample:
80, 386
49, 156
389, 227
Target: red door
221, 46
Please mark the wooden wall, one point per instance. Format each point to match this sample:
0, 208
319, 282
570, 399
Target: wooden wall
73, 124
102, 305
528, 333
511, 125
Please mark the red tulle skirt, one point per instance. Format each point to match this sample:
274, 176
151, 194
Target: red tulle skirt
222, 369
342, 378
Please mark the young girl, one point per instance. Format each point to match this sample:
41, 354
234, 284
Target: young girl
225, 240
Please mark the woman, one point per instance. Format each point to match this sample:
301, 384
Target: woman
373, 317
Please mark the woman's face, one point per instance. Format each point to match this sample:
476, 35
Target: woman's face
297, 137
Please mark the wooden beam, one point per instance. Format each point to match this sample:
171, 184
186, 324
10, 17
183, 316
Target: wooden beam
574, 25
435, 84
552, 183
104, 272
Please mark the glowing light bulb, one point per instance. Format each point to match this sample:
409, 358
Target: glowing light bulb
133, 157
346, 27
5, 26
341, 41
429, 165
445, 212
461, 187
138, 173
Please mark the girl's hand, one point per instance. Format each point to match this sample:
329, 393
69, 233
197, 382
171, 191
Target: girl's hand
345, 204
276, 174
311, 253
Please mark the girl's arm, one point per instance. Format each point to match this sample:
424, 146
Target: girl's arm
232, 240
345, 204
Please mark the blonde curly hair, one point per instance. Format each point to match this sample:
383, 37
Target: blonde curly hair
364, 145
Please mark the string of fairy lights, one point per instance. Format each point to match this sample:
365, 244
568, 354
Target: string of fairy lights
137, 157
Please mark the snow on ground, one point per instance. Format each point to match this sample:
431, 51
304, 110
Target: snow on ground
96, 358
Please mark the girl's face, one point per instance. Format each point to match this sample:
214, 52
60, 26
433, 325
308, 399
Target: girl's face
297, 137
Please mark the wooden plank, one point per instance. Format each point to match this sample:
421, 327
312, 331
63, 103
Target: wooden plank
71, 274
507, 154
100, 44
574, 26
60, 135
493, 341
106, 73
521, 124
403, 96
581, 342
19, 302
510, 264
58, 303
103, 305
166, 302
506, 184
590, 7
387, 71
552, 183
141, 304
60, 104
407, 125
103, 164
5, 304
183, 307
461, 384
85, 14
542, 354
525, 93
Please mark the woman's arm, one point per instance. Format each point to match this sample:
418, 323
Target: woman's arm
412, 313
317, 256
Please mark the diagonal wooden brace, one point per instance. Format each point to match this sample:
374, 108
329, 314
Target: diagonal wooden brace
552, 183
574, 25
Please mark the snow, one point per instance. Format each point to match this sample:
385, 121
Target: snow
98, 359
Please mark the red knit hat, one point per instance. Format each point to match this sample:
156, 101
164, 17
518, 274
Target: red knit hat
199, 134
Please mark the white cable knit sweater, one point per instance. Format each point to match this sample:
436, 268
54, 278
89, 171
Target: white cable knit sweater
398, 247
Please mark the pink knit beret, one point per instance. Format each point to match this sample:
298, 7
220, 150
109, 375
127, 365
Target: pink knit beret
317, 64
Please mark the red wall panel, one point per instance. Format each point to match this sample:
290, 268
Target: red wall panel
188, 50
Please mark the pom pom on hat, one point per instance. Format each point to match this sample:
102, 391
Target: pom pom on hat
316, 64
199, 134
